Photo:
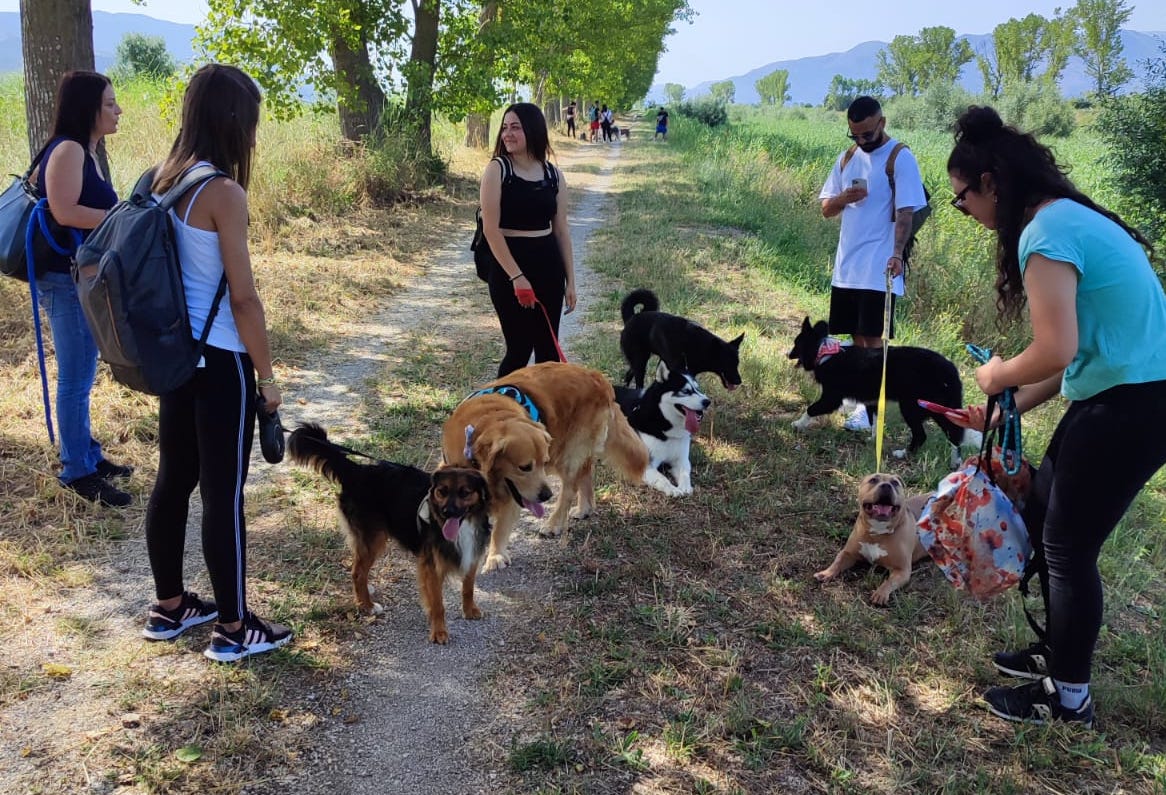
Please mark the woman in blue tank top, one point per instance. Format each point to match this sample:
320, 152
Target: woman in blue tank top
1098, 317
79, 196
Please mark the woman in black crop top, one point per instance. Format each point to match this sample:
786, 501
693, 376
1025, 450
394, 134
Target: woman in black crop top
524, 220
79, 196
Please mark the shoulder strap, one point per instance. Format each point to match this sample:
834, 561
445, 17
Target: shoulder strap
552, 175
846, 157
506, 166
193, 176
900, 146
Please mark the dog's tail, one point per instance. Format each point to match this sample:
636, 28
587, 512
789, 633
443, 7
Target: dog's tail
643, 298
308, 446
623, 449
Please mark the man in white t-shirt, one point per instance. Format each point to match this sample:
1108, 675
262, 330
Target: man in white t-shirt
870, 243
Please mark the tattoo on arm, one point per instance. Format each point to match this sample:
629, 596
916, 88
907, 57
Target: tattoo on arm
904, 219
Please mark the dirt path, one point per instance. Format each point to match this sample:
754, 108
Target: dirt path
414, 707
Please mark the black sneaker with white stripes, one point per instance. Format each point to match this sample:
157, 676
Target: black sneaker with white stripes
165, 624
255, 636
1037, 703
1030, 663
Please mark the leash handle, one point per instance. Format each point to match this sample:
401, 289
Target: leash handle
1008, 432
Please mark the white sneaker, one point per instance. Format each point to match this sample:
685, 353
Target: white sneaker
857, 421
849, 405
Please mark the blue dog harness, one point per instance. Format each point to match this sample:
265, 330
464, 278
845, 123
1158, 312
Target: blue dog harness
513, 392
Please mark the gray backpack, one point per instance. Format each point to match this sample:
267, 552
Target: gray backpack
135, 302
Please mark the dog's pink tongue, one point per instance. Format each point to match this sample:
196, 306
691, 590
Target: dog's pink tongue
534, 507
450, 528
691, 421
882, 511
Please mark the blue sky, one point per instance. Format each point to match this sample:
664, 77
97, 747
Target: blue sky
731, 37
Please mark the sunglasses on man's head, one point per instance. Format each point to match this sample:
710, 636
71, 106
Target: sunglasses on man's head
958, 201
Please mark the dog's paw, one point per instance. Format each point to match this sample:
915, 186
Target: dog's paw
685, 490
499, 561
377, 609
547, 531
473, 613
825, 575
439, 635
899, 454
580, 513
803, 423
881, 596
653, 478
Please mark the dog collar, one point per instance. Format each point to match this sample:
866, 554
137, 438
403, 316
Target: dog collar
513, 392
828, 348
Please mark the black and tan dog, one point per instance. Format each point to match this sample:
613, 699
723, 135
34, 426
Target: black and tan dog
884, 534
442, 519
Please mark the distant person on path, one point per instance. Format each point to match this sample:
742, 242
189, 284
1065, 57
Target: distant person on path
593, 114
571, 120
661, 124
79, 197
605, 119
1098, 317
206, 427
524, 221
873, 234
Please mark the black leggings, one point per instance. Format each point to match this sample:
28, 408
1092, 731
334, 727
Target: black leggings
571, 126
1102, 453
205, 429
525, 330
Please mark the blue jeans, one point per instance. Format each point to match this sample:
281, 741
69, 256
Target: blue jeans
76, 370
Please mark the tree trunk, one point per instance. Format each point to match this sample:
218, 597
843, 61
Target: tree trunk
56, 36
360, 97
419, 73
478, 131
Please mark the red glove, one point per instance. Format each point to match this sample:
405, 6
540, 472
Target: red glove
526, 298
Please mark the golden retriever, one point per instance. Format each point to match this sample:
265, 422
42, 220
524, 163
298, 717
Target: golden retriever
554, 417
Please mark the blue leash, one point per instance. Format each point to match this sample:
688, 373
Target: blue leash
38, 221
1011, 446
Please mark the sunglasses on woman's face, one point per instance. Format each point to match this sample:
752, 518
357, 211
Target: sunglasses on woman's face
958, 201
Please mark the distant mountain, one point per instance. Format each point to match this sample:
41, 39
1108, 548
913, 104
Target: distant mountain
809, 78
108, 30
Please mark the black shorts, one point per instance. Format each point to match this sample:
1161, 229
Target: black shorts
859, 312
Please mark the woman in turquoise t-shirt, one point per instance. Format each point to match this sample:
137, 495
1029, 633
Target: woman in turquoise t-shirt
1098, 317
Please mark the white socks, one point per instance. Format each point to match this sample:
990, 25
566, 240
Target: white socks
1072, 694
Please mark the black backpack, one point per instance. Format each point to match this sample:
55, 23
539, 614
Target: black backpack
484, 260
135, 302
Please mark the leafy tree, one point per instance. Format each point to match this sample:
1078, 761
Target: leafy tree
723, 92
1058, 37
139, 55
844, 90
674, 93
1134, 126
909, 64
774, 87
1099, 43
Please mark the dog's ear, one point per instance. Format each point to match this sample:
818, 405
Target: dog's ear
662, 371
736, 343
822, 328
806, 323
482, 487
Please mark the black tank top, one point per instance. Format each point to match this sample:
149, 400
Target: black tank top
528, 206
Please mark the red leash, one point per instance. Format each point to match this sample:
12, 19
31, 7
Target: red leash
525, 294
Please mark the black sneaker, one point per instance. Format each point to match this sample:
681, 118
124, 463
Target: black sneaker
1037, 703
165, 624
107, 470
1030, 663
254, 637
96, 489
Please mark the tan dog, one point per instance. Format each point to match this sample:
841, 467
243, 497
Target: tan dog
884, 534
551, 416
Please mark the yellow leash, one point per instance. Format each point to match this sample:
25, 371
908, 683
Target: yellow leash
881, 423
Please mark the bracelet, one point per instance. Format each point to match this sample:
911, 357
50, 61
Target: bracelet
517, 276
262, 382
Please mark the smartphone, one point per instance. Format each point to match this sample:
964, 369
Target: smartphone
940, 409
858, 182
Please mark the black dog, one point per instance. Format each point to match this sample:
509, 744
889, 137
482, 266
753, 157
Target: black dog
443, 519
681, 344
913, 374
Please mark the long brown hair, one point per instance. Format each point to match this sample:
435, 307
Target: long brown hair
79, 96
1025, 173
534, 127
220, 111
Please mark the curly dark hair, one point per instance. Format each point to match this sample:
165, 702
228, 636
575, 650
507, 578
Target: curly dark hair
1025, 173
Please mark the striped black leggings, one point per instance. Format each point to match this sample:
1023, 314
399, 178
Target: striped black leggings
205, 430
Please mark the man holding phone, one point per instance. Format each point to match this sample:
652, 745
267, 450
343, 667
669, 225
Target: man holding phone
873, 232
